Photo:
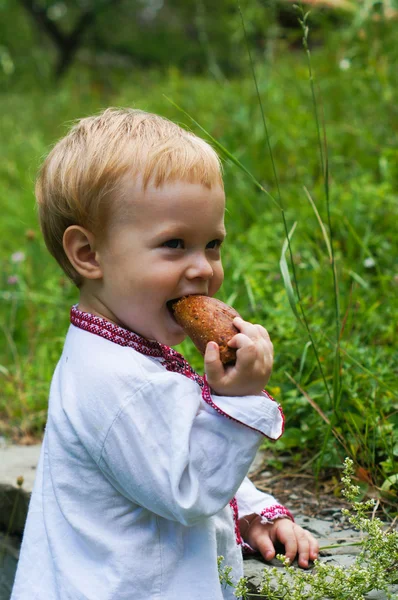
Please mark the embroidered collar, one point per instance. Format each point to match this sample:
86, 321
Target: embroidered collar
170, 359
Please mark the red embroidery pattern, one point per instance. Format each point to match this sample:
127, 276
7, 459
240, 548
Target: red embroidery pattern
172, 361
207, 397
276, 511
234, 505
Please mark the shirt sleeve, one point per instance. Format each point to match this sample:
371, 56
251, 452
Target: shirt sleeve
252, 501
266, 423
180, 455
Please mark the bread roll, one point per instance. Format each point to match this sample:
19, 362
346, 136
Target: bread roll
206, 320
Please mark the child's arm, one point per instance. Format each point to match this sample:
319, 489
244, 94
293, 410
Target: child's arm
179, 451
250, 375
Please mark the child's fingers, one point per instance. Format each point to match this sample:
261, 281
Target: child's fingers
247, 328
253, 331
298, 544
307, 543
290, 543
297, 541
250, 352
314, 548
213, 365
246, 354
263, 333
240, 340
303, 550
254, 334
266, 547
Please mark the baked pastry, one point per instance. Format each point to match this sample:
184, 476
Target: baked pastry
206, 320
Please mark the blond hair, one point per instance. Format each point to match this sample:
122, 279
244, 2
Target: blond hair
78, 180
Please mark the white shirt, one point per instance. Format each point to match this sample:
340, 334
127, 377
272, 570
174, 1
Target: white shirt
137, 469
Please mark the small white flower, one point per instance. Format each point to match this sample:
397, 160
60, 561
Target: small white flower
345, 64
369, 262
18, 257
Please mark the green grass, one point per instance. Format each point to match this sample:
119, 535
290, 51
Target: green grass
358, 107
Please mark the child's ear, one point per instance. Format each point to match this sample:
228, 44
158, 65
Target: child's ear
79, 247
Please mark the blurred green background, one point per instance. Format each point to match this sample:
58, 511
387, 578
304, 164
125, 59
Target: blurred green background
63, 60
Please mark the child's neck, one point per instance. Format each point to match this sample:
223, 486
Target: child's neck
90, 302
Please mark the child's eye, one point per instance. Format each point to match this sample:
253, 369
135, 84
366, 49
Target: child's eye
214, 244
175, 243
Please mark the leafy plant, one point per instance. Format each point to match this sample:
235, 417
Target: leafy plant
374, 568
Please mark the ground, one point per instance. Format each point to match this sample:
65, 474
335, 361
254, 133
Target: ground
302, 494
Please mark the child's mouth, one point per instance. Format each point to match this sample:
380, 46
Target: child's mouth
170, 305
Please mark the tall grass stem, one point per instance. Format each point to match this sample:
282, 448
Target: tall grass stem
281, 208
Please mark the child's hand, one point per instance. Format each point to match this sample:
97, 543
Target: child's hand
254, 358
297, 541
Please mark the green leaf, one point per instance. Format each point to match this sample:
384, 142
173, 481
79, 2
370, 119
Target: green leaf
303, 359
321, 224
358, 278
286, 275
389, 482
4, 370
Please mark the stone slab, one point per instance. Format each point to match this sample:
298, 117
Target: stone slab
16, 461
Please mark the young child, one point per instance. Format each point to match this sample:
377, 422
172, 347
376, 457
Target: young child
142, 483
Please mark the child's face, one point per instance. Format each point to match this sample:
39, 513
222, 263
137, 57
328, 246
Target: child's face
167, 246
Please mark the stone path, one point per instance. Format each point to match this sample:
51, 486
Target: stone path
16, 461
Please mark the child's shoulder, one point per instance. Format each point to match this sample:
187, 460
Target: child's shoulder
94, 358
97, 381
92, 366
94, 381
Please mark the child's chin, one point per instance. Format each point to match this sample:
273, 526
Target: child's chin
173, 333
175, 340
172, 338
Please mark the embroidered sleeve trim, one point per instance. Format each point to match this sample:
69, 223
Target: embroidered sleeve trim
277, 511
234, 505
207, 397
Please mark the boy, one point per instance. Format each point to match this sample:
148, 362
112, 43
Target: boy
142, 484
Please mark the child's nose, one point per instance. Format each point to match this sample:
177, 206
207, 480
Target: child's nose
200, 267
